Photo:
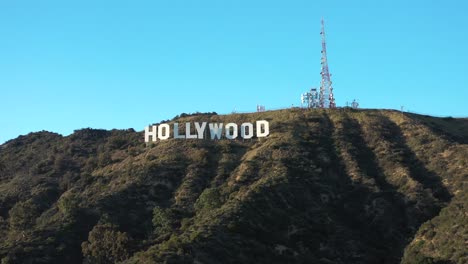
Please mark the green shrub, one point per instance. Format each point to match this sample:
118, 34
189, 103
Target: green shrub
162, 220
23, 215
68, 204
209, 199
104, 159
106, 245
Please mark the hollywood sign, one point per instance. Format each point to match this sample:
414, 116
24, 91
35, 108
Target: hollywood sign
216, 131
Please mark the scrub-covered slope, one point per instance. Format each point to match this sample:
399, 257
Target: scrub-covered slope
326, 186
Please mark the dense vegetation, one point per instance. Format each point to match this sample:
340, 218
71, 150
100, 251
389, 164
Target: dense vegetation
327, 186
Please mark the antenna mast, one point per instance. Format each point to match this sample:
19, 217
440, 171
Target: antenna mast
326, 99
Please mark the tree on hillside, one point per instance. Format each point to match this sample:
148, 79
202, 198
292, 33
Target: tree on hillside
23, 215
162, 220
106, 245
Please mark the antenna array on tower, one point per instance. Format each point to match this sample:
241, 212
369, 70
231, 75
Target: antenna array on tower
310, 99
326, 99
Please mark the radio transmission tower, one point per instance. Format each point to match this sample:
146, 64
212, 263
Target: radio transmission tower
326, 99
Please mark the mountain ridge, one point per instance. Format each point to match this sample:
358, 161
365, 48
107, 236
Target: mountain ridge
326, 186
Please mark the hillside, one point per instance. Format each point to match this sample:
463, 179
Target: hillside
326, 186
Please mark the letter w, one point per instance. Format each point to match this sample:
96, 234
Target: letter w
216, 130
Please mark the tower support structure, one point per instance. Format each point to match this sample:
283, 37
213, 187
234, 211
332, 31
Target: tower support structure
326, 98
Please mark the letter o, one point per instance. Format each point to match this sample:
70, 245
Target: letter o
163, 131
250, 130
230, 135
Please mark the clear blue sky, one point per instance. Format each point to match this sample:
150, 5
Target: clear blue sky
66, 65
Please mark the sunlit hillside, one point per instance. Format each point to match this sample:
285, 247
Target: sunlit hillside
326, 186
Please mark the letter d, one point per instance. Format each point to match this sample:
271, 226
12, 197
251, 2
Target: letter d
266, 128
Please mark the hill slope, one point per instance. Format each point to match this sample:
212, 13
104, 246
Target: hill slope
336, 186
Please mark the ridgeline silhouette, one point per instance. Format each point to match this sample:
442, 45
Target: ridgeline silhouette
326, 186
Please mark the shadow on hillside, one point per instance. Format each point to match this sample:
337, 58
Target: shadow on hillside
453, 129
377, 215
417, 169
365, 157
397, 227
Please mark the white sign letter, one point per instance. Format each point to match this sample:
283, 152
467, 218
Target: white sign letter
166, 133
187, 131
216, 130
151, 133
250, 130
200, 130
176, 131
266, 128
234, 131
